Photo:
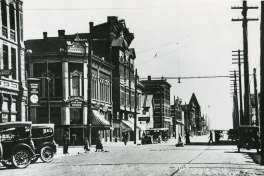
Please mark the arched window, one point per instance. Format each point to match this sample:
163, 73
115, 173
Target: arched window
4, 13
12, 16
76, 83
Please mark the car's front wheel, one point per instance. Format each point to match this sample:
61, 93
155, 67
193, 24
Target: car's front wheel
21, 158
47, 154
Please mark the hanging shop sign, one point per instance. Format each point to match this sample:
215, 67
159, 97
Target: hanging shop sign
76, 102
33, 91
5, 72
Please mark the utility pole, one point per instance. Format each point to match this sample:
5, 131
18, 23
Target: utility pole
235, 101
238, 55
135, 116
256, 97
262, 83
89, 87
246, 69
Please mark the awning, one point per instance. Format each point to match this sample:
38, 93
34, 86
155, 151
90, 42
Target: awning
147, 103
98, 120
158, 129
128, 125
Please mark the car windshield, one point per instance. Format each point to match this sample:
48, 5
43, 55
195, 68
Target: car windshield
41, 132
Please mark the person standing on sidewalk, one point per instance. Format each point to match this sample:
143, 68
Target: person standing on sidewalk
86, 144
125, 138
210, 138
66, 141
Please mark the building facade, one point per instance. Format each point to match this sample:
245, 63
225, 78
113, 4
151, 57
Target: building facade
13, 92
61, 64
177, 115
192, 116
160, 89
112, 42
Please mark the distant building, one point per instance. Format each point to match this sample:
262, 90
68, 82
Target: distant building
177, 115
192, 116
145, 116
13, 91
61, 64
160, 89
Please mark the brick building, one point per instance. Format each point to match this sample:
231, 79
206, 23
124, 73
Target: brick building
13, 90
61, 64
160, 89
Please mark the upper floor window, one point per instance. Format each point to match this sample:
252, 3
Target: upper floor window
13, 62
47, 85
5, 57
12, 16
76, 83
4, 13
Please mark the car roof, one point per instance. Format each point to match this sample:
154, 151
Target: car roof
14, 124
43, 125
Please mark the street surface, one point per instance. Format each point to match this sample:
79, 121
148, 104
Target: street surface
143, 160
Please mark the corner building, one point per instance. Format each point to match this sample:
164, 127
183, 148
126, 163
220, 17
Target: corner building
13, 90
61, 64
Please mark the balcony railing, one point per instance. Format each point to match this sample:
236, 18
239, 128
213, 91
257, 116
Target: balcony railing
12, 35
4, 31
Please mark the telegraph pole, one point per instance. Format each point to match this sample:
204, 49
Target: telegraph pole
238, 55
89, 87
235, 101
256, 97
262, 82
135, 116
246, 69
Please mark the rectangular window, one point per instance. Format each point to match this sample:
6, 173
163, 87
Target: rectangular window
13, 62
5, 57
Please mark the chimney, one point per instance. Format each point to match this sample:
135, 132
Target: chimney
45, 35
149, 78
111, 19
61, 33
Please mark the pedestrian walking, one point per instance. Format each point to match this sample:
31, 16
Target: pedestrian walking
187, 137
86, 145
125, 138
210, 138
66, 142
99, 145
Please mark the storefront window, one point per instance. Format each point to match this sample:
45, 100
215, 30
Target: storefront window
76, 116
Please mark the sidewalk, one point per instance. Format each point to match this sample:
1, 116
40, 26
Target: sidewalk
76, 150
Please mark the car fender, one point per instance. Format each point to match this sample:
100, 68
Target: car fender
1, 151
26, 146
50, 144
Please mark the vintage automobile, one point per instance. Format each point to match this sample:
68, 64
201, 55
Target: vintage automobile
43, 138
248, 138
16, 146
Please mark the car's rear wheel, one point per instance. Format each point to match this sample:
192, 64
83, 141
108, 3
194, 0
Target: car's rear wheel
21, 158
47, 154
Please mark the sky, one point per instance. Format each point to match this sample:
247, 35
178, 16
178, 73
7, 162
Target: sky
172, 38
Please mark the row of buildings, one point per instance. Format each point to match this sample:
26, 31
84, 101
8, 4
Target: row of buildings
84, 81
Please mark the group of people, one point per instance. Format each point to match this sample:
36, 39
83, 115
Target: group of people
66, 143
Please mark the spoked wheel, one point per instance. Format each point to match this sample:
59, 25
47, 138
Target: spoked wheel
46, 154
21, 158
8, 164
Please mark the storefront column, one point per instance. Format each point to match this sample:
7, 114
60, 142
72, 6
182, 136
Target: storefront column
85, 115
65, 80
85, 82
65, 114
